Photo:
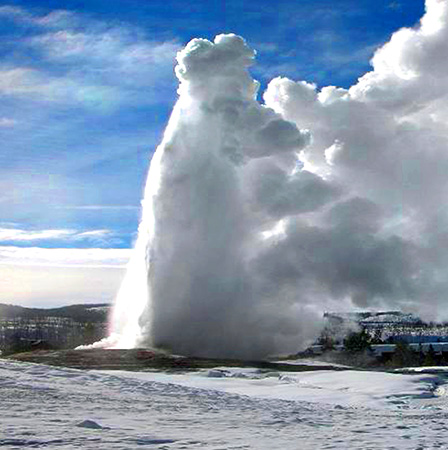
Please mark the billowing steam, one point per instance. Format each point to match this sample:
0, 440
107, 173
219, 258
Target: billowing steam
257, 218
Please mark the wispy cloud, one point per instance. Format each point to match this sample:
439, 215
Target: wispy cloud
6, 122
102, 207
8, 234
118, 47
64, 257
331, 56
21, 81
84, 61
102, 238
395, 5
54, 19
37, 85
14, 12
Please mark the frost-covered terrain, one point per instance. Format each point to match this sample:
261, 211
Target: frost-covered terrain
48, 407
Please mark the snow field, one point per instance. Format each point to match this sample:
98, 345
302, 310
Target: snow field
48, 407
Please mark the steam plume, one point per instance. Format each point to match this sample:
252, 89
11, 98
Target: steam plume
252, 226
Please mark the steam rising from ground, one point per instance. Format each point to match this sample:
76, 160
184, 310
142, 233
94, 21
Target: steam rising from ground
257, 218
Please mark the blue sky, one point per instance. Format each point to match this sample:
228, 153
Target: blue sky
86, 89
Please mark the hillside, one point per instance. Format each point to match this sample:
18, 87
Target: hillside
79, 313
25, 329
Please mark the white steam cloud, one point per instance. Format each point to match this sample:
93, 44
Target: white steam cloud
257, 218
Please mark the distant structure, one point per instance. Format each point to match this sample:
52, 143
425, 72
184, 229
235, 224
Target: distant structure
379, 319
388, 326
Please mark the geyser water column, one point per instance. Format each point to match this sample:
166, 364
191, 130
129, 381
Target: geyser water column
192, 286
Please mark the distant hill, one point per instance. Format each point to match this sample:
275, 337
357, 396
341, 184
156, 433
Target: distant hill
79, 313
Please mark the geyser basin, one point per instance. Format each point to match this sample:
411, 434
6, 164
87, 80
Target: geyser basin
258, 218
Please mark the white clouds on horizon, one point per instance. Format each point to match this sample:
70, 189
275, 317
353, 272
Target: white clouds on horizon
43, 277
54, 286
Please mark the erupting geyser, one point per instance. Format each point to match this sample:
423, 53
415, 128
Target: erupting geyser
191, 286
253, 226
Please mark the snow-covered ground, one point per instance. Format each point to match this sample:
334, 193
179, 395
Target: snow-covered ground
48, 407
